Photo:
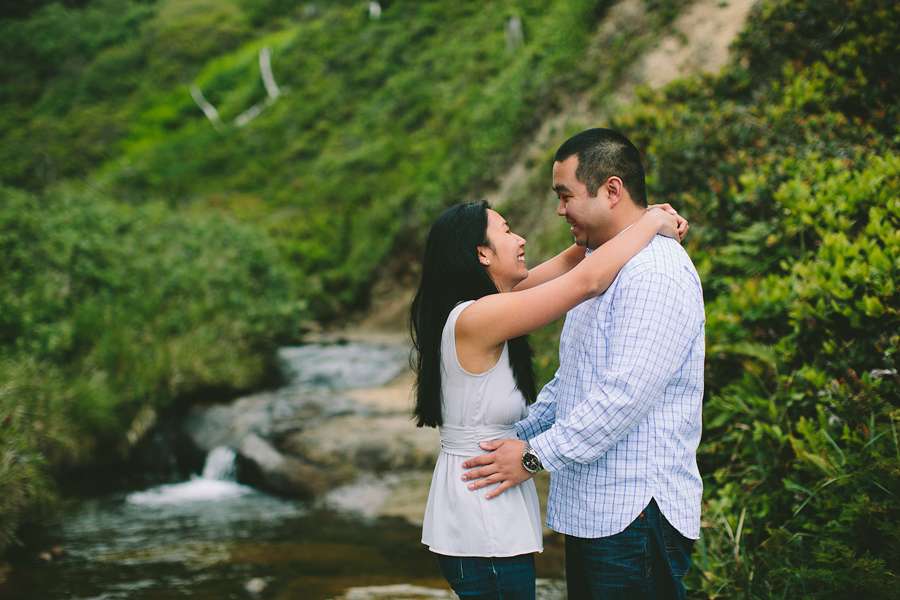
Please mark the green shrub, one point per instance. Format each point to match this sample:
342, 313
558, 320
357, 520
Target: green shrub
804, 497
109, 313
184, 35
856, 39
787, 165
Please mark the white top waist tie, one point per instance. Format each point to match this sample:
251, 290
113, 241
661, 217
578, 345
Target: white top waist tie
463, 441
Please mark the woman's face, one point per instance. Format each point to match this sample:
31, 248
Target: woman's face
504, 259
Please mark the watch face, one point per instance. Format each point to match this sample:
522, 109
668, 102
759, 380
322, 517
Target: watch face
531, 462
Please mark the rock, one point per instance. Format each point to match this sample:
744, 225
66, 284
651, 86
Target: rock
323, 430
372, 444
402, 591
395, 398
545, 589
279, 412
45, 556
550, 589
407, 497
58, 551
256, 586
265, 467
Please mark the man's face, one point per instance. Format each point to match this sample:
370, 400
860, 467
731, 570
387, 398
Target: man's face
586, 214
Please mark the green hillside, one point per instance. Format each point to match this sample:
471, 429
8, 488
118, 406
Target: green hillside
378, 123
150, 255
153, 255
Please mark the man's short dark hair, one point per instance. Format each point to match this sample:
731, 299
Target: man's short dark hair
603, 153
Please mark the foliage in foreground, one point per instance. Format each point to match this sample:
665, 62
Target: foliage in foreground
788, 166
802, 452
107, 314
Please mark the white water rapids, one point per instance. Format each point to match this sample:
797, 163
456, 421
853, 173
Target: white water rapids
217, 482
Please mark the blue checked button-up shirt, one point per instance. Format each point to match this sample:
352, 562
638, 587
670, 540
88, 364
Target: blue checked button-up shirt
620, 422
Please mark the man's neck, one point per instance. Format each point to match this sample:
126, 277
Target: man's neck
620, 224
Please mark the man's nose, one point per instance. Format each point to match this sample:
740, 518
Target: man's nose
561, 209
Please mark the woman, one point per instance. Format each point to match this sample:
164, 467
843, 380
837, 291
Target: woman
474, 377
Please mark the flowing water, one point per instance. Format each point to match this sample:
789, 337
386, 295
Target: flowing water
211, 537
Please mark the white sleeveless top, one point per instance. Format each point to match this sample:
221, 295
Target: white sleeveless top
460, 522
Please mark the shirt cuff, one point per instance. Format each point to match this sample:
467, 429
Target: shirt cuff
541, 447
527, 429
521, 431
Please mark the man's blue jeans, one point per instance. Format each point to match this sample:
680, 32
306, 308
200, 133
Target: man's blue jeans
647, 560
491, 577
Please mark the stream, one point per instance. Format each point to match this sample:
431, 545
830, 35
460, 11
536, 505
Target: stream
212, 537
217, 539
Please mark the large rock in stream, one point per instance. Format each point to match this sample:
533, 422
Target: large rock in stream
343, 414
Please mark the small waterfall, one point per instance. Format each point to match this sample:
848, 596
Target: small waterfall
220, 464
217, 482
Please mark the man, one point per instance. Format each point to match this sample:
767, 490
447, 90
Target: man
619, 425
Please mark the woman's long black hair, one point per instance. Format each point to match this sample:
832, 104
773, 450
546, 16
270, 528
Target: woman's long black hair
452, 273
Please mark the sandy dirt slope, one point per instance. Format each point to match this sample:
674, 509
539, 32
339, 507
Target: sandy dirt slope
705, 32
698, 43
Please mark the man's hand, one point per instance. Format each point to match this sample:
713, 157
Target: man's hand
503, 466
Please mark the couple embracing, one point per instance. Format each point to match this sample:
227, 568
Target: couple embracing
617, 427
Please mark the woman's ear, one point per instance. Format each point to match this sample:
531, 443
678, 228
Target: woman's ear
484, 253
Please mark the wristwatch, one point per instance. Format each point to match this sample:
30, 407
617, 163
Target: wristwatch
530, 460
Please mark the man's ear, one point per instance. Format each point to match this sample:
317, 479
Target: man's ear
616, 190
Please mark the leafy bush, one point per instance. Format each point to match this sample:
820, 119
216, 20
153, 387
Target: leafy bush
186, 34
856, 39
109, 313
59, 69
787, 165
814, 473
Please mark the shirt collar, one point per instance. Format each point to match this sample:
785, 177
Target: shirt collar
588, 251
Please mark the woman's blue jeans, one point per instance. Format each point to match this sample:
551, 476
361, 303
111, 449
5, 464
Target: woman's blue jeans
646, 561
489, 577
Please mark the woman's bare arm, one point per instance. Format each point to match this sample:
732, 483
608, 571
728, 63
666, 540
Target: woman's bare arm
569, 258
489, 321
548, 270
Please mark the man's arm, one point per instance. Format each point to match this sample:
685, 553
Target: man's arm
541, 414
655, 320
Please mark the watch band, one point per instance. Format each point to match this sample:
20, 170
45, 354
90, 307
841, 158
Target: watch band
530, 460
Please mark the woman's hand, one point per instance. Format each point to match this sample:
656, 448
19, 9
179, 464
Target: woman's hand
666, 223
681, 224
